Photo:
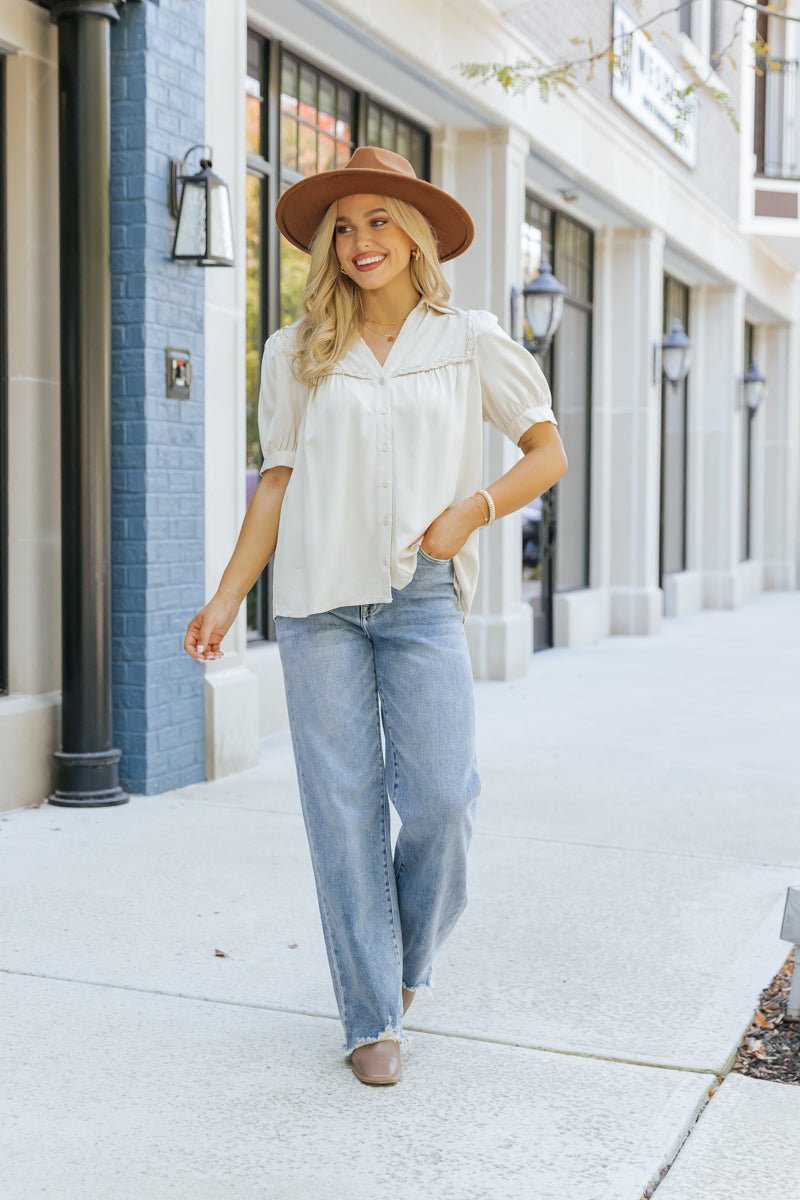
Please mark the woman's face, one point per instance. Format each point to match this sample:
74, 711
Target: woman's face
369, 245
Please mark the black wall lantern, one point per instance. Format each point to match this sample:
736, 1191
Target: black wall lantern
204, 232
676, 354
543, 299
754, 386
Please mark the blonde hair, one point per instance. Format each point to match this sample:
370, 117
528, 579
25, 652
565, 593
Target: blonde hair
331, 304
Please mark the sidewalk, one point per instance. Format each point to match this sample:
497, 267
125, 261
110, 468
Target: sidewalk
637, 830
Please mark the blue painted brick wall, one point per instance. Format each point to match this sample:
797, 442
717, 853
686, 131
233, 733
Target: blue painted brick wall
158, 576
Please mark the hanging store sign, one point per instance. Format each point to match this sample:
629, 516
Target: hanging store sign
645, 83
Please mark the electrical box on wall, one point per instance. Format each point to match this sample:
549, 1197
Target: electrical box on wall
179, 374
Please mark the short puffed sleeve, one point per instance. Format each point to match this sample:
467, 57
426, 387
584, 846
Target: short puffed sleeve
280, 403
514, 389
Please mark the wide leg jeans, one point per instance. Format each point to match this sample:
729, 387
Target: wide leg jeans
381, 703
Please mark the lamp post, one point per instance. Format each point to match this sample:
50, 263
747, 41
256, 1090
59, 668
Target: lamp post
676, 354
87, 766
543, 299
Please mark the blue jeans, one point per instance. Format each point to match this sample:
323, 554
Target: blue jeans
402, 668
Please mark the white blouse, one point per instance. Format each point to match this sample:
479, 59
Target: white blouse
379, 451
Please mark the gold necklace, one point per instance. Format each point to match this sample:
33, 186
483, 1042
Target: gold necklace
390, 337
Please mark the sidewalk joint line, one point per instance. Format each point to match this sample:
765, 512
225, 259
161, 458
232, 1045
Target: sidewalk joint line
306, 1012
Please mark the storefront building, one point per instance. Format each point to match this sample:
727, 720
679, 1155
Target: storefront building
680, 495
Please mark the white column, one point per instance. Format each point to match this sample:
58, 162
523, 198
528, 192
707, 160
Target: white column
778, 519
231, 689
635, 289
718, 335
485, 169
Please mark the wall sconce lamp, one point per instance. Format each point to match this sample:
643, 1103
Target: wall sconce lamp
754, 387
543, 299
204, 230
676, 354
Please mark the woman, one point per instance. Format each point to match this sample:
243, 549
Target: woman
370, 416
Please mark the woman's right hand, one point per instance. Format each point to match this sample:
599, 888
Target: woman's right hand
205, 631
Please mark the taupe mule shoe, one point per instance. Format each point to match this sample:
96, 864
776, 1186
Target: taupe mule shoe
407, 998
377, 1062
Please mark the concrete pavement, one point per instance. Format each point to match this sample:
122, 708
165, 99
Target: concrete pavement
637, 829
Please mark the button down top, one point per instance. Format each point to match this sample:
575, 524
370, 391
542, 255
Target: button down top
367, 481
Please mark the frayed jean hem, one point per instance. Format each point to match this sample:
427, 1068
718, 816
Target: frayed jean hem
426, 983
391, 1032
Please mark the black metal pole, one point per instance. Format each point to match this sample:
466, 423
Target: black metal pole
87, 765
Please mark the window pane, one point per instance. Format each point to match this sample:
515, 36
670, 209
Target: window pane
289, 142
307, 150
388, 131
253, 121
673, 450
289, 84
571, 362
308, 93
327, 106
254, 311
373, 125
574, 256
344, 105
403, 141
326, 152
254, 101
294, 271
254, 344
254, 53
417, 154
674, 482
746, 437
541, 218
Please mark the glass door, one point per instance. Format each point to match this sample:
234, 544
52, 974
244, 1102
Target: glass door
674, 446
555, 526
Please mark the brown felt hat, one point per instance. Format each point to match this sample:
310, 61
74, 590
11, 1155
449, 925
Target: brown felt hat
372, 169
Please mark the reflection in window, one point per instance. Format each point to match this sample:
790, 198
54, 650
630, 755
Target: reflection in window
318, 118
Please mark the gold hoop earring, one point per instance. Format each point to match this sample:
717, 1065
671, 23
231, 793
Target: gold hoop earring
415, 253
341, 268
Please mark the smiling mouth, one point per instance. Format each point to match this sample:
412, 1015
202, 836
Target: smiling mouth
368, 262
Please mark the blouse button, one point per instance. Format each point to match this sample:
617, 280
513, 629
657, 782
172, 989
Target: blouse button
384, 483
384, 411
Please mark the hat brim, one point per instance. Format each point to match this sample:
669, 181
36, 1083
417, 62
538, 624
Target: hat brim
301, 208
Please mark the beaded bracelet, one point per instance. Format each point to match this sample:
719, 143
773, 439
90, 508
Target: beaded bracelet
489, 520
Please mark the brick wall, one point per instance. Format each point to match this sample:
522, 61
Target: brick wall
157, 112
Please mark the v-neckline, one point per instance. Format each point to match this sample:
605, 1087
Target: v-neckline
373, 357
